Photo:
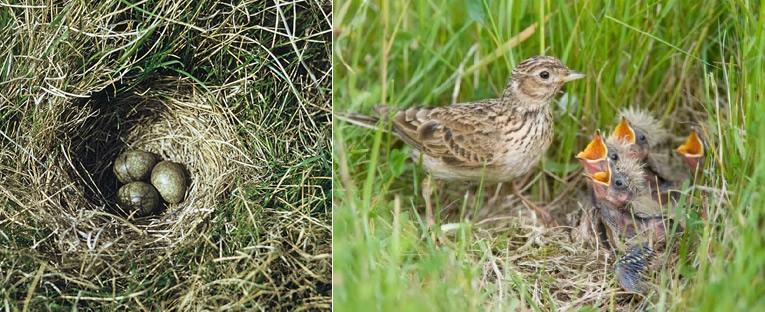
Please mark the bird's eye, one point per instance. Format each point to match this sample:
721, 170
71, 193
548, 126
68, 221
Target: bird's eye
544, 74
619, 182
641, 137
614, 156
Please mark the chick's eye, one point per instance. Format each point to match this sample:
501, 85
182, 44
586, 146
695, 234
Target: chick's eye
614, 157
544, 74
619, 182
641, 138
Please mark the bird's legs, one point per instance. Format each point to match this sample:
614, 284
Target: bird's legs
547, 219
427, 193
494, 193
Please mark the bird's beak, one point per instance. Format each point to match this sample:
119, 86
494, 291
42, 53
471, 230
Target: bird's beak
601, 177
692, 151
595, 150
692, 146
593, 157
623, 131
573, 75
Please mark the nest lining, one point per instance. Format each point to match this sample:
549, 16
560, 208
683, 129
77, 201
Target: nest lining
73, 189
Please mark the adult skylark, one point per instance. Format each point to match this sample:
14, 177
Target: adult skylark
494, 140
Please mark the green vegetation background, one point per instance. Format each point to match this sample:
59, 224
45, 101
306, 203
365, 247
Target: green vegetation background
686, 61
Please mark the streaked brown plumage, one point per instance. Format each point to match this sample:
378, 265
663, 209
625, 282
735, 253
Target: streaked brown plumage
495, 139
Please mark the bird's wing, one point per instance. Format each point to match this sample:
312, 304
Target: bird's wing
645, 207
631, 268
662, 165
462, 135
357, 119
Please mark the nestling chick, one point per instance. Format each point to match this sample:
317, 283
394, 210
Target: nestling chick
643, 135
640, 147
620, 195
644, 130
632, 222
594, 157
630, 267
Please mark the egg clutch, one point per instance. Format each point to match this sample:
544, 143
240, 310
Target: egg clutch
168, 182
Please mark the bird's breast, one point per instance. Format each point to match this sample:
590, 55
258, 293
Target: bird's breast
524, 147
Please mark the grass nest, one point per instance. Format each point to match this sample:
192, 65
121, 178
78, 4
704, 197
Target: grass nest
65, 185
74, 192
238, 93
557, 265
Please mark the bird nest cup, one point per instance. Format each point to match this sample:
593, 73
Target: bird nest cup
65, 180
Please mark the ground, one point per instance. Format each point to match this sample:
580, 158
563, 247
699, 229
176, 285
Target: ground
689, 63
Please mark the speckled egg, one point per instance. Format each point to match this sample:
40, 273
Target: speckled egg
134, 165
170, 180
138, 198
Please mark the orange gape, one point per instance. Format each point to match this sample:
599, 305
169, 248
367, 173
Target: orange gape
600, 181
603, 177
692, 151
692, 146
624, 132
593, 157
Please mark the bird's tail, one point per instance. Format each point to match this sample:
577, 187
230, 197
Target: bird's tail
358, 119
362, 120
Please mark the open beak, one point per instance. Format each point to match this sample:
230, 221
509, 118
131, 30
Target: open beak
600, 181
623, 131
692, 151
593, 157
602, 177
573, 75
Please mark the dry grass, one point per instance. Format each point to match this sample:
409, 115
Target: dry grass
74, 195
238, 93
520, 258
525, 263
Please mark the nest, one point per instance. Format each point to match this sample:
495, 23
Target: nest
561, 265
68, 186
247, 113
